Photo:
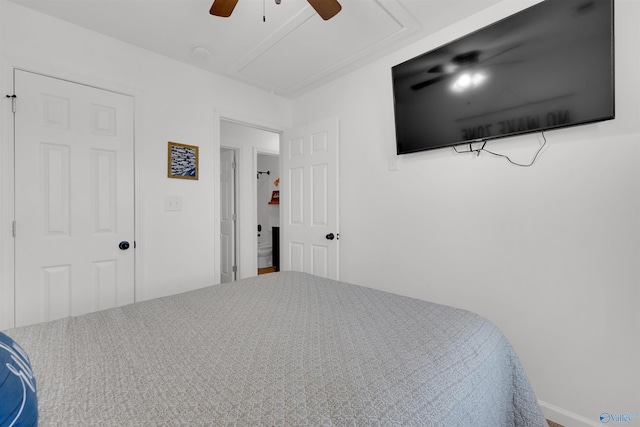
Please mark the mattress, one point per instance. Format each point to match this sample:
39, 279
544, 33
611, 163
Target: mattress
281, 349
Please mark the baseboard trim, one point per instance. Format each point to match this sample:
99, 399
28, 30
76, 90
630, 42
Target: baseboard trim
566, 418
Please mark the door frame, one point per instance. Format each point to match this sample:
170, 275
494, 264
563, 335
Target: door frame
7, 178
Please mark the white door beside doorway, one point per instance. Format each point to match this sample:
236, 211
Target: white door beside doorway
309, 199
74, 199
227, 216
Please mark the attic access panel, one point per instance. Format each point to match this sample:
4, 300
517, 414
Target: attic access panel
324, 45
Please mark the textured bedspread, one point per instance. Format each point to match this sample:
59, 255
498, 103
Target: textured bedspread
283, 349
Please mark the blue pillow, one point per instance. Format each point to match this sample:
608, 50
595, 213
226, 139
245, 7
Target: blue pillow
18, 401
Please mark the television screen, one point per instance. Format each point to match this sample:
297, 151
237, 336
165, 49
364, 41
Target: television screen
546, 67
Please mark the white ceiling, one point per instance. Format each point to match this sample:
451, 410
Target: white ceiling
293, 51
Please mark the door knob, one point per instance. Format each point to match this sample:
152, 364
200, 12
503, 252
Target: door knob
124, 245
330, 236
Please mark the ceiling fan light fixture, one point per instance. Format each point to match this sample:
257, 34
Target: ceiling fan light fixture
468, 81
477, 79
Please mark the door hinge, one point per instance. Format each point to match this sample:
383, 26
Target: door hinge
13, 229
233, 165
13, 102
234, 269
234, 217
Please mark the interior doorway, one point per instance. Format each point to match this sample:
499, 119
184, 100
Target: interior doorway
247, 141
268, 212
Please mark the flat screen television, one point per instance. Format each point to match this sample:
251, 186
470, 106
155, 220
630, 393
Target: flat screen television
548, 66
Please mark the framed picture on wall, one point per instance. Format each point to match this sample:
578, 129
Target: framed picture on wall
183, 161
275, 197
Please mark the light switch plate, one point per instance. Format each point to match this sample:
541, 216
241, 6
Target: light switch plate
173, 203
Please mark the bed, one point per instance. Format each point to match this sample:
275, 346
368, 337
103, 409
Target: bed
281, 349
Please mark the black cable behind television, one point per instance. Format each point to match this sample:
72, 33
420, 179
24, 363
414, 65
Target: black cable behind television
546, 67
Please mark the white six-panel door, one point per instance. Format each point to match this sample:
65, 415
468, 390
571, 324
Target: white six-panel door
309, 203
227, 216
74, 199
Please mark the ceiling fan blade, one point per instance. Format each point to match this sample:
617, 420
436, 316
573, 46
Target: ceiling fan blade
223, 8
426, 83
327, 9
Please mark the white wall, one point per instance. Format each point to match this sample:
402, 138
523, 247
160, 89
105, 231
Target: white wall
174, 102
550, 253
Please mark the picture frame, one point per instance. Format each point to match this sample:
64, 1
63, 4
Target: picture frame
182, 161
275, 197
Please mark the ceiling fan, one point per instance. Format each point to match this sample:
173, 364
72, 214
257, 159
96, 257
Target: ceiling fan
327, 9
459, 62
